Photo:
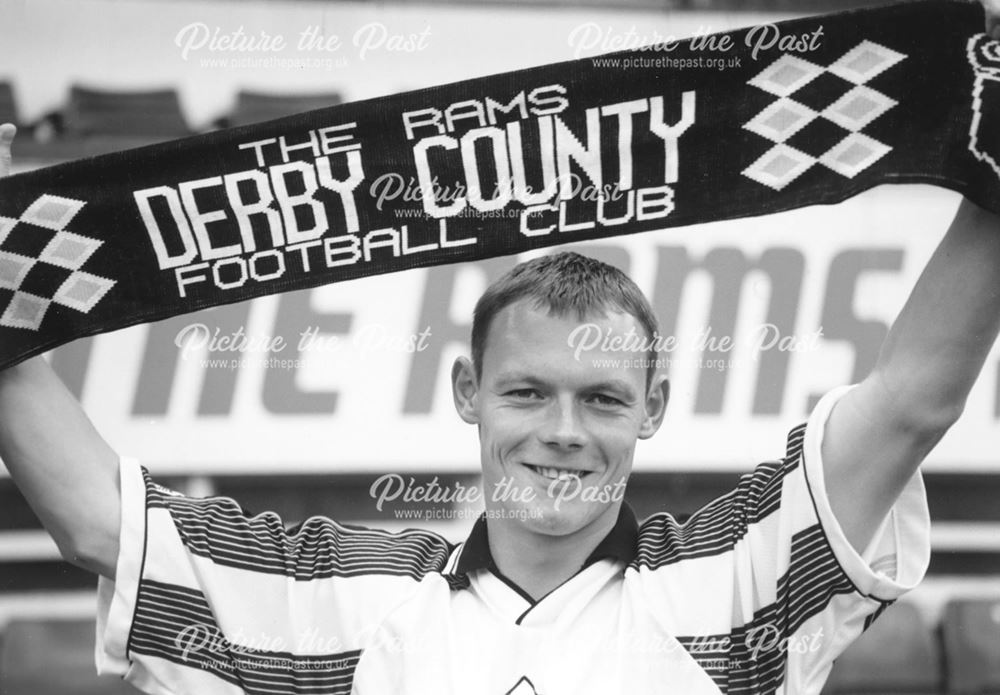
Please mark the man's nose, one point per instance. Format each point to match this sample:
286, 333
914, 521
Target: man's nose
563, 427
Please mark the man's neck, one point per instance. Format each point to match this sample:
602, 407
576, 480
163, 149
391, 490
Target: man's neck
537, 562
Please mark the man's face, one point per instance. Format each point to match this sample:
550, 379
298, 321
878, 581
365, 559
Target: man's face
557, 429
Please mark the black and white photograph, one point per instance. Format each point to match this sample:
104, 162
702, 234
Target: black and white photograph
465, 347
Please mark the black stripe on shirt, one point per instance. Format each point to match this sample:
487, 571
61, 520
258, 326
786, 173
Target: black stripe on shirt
219, 529
755, 654
718, 526
176, 623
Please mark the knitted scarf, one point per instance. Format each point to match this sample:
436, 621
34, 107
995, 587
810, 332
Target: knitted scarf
749, 122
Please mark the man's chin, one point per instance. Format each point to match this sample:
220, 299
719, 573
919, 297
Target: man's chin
564, 520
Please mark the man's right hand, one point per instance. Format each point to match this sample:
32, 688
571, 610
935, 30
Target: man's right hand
60, 463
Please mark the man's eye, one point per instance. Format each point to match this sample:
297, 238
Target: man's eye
604, 399
523, 394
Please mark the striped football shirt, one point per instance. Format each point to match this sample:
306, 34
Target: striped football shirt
757, 593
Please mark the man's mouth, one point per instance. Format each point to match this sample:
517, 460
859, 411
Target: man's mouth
553, 473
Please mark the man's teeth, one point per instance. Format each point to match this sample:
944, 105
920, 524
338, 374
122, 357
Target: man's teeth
557, 473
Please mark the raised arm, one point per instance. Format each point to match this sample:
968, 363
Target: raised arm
879, 432
67, 472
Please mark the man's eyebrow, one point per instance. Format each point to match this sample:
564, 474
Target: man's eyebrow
508, 377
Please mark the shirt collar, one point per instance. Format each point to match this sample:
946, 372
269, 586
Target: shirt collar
621, 543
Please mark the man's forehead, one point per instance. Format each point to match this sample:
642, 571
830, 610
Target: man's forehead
525, 336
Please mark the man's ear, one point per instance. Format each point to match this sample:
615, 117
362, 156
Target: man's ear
656, 406
465, 390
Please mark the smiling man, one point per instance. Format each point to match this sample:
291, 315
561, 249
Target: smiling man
560, 424
558, 588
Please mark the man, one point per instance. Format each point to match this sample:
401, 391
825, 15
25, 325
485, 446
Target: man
557, 589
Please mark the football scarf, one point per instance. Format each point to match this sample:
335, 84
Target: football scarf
749, 122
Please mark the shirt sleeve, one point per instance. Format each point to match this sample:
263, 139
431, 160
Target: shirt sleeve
762, 588
208, 598
802, 591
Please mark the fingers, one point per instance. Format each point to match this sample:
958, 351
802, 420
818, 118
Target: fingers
993, 27
992, 8
7, 132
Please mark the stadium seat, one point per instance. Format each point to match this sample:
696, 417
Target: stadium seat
970, 630
256, 107
897, 654
149, 114
95, 122
53, 657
